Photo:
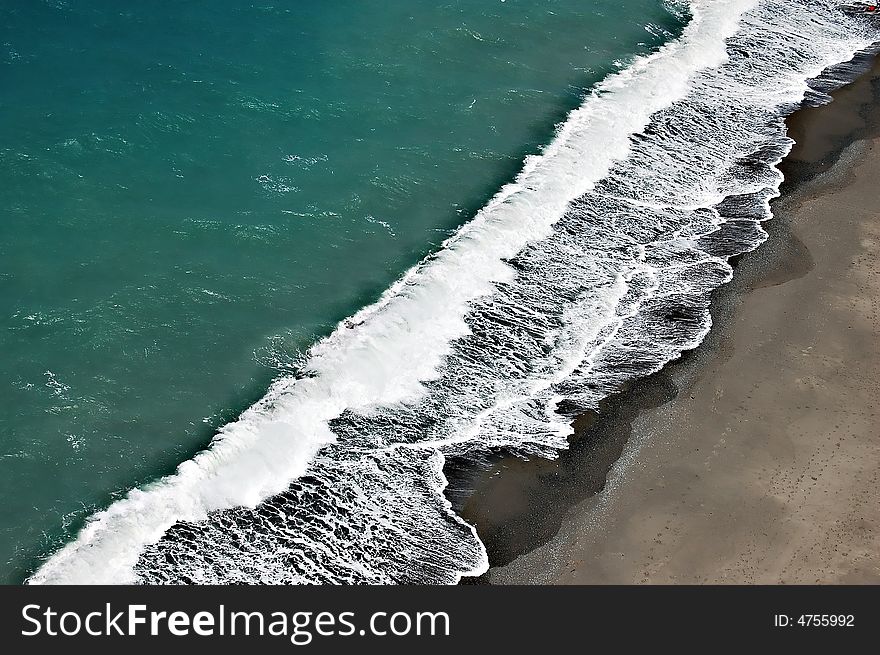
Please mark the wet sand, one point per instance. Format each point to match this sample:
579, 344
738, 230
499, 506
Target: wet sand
756, 457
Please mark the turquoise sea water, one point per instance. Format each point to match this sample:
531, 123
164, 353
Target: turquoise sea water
192, 193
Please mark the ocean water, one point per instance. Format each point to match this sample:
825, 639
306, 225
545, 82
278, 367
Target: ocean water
193, 194
264, 268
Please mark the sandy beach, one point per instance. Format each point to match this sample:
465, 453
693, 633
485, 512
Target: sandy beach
756, 457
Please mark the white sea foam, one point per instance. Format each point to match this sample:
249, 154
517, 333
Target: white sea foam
592, 267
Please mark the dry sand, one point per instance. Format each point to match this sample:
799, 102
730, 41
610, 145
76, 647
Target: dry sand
764, 467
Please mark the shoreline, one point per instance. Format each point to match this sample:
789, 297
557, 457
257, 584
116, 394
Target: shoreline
630, 500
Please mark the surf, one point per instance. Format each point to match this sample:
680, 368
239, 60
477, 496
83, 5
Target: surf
594, 266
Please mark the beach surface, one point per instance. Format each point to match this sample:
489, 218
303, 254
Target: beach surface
756, 457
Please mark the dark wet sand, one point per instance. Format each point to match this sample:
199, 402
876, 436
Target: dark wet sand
756, 457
